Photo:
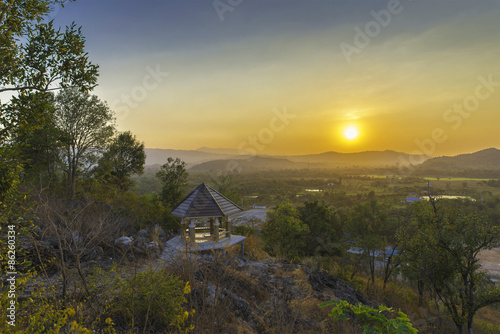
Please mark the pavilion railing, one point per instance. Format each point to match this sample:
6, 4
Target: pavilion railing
204, 234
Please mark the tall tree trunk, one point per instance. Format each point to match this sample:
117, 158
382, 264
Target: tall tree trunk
420, 287
70, 172
469, 327
372, 270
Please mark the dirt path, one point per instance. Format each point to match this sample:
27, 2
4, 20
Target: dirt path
490, 260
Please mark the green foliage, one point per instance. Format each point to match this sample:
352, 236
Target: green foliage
152, 299
381, 320
125, 156
224, 183
86, 124
244, 230
35, 135
41, 313
441, 248
284, 234
174, 177
34, 55
325, 230
369, 227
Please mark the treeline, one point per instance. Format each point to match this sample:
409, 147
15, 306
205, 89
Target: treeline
472, 173
66, 192
433, 246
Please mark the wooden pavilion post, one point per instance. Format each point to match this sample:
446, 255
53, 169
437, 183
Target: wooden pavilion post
228, 226
212, 226
192, 233
183, 229
216, 229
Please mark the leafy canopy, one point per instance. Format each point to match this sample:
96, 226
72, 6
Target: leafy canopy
37, 56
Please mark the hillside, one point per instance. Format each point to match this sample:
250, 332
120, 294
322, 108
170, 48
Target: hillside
157, 156
366, 159
257, 163
217, 159
488, 159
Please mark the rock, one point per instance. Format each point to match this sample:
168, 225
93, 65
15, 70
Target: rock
154, 246
143, 233
53, 242
321, 280
141, 243
210, 294
94, 254
158, 231
124, 241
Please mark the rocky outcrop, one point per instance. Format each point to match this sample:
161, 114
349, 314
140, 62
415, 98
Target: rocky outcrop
253, 297
325, 284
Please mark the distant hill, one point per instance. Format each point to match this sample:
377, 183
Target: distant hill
488, 159
361, 159
225, 151
257, 163
190, 157
217, 159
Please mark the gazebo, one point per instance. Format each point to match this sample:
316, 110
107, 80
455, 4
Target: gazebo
201, 205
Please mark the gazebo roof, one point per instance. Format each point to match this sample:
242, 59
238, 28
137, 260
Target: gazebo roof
205, 202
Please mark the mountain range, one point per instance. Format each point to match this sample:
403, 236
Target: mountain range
206, 159
488, 159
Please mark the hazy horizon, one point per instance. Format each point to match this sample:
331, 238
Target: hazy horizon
202, 148
299, 77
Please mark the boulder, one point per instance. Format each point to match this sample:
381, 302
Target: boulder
124, 241
157, 230
93, 254
141, 243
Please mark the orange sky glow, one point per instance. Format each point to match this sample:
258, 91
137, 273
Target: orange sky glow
289, 78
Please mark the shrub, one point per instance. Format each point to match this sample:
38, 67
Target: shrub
372, 320
284, 234
152, 299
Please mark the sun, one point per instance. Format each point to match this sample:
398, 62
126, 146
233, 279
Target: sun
351, 132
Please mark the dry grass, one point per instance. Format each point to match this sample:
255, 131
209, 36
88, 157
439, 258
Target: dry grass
301, 280
489, 314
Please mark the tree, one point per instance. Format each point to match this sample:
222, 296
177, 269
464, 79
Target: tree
325, 232
223, 183
35, 136
79, 228
174, 177
35, 56
441, 249
369, 227
125, 156
283, 232
86, 124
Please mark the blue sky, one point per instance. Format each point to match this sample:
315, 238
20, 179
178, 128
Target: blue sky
225, 77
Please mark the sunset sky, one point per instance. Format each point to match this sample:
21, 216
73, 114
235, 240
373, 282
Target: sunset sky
288, 76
